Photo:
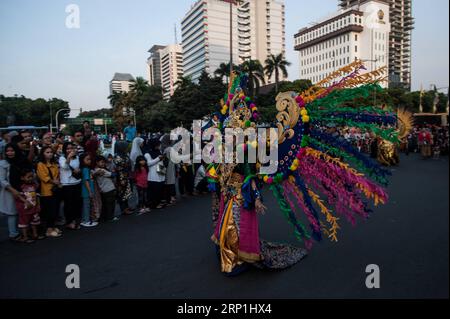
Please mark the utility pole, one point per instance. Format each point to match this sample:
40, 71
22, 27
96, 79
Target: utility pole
236, 2
231, 37
51, 119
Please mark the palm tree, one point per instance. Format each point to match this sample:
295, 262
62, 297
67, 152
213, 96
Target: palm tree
275, 64
139, 86
183, 81
114, 98
255, 72
118, 107
223, 71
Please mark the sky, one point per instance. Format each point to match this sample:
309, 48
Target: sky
41, 57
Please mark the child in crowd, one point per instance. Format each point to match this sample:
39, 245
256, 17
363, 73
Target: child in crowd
110, 163
28, 207
87, 191
140, 176
105, 180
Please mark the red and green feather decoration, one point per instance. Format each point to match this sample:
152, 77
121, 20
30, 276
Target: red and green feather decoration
322, 179
314, 161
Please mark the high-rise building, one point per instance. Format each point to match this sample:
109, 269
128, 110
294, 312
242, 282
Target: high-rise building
171, 68
261, 30
402, 24
121, 83
344, 37
154, 65
258, 31
166, 67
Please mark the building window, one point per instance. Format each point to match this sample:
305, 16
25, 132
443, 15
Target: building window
356, 48
356, 37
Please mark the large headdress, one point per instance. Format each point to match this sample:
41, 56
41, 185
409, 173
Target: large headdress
240, 110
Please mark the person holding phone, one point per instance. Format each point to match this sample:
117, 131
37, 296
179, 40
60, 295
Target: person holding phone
70, 177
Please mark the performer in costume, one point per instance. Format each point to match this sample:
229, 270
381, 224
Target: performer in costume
240, 201
311, 161
387, 153
387, 150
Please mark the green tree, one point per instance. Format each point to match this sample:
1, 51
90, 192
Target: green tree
276, 65
184, 100
443, 101
193, 101
20, 110
160, 117
298, 86
139, 86
114, 98
255, 72
97, 114
223, 72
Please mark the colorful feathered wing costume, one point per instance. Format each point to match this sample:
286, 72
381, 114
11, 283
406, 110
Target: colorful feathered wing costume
320, 175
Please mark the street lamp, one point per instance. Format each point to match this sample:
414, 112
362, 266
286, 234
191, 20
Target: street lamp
56, 116
63, 110
51, 119
106, 125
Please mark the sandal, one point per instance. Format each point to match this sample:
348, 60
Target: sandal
53, 234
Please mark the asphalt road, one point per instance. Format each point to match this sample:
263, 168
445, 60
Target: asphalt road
167, 254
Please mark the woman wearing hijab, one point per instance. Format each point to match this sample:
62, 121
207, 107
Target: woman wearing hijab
136, 150
123, 167
156, 174
10, 168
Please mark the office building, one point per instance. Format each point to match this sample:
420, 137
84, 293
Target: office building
121, 83
258, 31
344, 37
402, 24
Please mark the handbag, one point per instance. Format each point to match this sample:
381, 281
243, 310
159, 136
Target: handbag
161, 169
75, 175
